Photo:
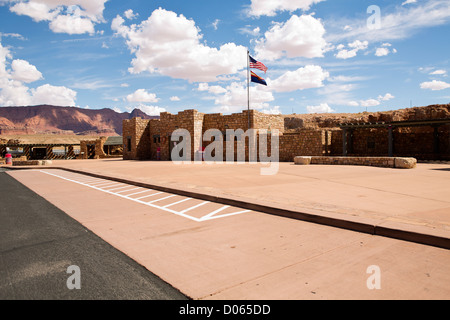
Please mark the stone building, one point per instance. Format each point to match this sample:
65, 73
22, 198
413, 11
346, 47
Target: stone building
422, 132
151, 139
101, 148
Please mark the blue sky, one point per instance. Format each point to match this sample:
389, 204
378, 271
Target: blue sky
323, 55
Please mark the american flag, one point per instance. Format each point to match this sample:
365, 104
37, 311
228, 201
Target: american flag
257, 65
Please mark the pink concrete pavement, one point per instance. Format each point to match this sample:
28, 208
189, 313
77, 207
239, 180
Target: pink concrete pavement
260, 256
415, 199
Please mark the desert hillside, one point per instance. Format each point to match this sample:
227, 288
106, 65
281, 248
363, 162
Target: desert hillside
45, 119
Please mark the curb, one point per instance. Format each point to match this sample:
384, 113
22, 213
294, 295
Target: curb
347, 224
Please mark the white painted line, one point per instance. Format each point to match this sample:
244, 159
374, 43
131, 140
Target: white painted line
172, 204
214, 212
150, 195
210, 216
127, 186
111, 185
147, 190
125, 197
171, 196
225, 215
96, 184
128, 190
196, 206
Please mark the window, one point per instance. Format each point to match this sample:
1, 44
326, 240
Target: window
129, 144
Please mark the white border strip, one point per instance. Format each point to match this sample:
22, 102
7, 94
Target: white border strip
209, 216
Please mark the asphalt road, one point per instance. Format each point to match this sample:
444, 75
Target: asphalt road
38, 244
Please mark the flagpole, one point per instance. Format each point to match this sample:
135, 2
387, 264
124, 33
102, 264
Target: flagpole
248, 87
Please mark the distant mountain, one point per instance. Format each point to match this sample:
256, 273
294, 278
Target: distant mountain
54, 119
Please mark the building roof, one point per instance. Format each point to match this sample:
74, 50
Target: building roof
114, 141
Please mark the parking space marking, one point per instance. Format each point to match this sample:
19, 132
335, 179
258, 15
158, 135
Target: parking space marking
113, 187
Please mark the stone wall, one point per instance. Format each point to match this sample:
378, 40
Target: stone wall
98, 148
304, 143
136, 140
313, 135
386, 162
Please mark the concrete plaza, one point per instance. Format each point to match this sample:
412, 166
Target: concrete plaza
261, 256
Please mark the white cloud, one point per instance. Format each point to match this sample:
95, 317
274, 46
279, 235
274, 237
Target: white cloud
141, 95
307, 77
409, 2
175, 98
215, 24
165, 38
234, 99
72, 24
382, 52
386, 97
64, 16
353, 103
322, 108
252, 31
354, 47
271, 7
13, 92
435, 85
298, 37
271, 110
130, 15
369, 103
58, 96
212, 89
151, 110
346, 54
24, 71
439, 72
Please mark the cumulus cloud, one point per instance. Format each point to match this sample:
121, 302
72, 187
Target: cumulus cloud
322, 108
141, 95
170, 44
386, 97
271, 7
300, 36
211, 89
435, 85
64, 16
151, 110
24, 71
271, 110
129, 14
307, 77
48, 94
369, 103
353, 48
381, 52
14, 92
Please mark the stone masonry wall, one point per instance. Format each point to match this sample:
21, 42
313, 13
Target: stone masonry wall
136, 140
